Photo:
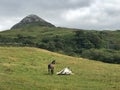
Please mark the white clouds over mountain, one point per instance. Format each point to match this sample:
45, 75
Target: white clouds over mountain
86, 14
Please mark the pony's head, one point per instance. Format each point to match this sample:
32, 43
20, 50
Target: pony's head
53, 62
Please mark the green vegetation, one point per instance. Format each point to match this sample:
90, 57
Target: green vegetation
24, 68
71, 42
105, 55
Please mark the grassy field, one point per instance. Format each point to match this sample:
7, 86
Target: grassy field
25, 68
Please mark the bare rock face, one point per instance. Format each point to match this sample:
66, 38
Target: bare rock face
32, 20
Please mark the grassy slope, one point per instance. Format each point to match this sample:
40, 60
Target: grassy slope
41, 32
38, 32
24, 68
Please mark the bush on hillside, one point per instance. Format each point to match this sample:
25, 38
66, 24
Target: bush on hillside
103, 55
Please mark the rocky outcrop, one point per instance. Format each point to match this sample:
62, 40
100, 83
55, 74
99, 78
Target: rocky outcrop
32, 20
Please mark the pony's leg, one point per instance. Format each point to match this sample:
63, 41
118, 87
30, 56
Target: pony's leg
52, 71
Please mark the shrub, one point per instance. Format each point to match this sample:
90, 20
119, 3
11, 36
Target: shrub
109, 56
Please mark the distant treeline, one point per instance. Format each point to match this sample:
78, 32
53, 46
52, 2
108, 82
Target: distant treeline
96, 45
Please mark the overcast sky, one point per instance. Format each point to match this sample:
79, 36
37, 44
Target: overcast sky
82, 14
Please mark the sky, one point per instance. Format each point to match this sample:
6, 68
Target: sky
81, 14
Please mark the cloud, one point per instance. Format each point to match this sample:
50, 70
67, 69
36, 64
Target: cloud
75, 14
102, 14
86, 14
7, 23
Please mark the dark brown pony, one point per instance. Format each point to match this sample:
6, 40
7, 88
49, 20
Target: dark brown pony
51, 67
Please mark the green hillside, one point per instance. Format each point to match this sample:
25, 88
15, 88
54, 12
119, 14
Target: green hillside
25, 68
36, 32
74, 42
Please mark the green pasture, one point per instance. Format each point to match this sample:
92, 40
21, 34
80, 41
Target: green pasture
25, 68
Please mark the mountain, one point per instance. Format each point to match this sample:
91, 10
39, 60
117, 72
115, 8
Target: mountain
32, 20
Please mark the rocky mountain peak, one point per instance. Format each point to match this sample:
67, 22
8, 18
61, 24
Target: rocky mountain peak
32, 20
